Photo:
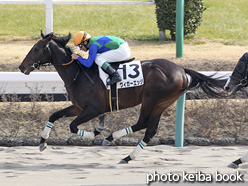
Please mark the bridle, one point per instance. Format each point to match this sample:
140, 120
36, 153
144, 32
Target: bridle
37, 62
243, 82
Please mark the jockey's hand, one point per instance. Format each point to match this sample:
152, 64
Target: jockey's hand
74, 56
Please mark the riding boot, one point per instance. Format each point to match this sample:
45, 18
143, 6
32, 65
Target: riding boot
114, 76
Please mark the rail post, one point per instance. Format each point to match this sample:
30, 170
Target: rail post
179, 28
179, 126
49, 16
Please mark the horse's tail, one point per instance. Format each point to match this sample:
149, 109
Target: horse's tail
208, 84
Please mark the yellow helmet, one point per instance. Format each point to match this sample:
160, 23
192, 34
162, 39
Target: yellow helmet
80, 37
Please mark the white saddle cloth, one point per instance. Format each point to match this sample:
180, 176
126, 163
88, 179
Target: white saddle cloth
131, 74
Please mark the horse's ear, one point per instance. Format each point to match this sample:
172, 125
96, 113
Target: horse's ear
48, 37
42, 35
69, 36
51, 36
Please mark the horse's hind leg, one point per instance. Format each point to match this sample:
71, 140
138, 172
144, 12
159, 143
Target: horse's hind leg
239, 161
235, 164
150, 131
67, 112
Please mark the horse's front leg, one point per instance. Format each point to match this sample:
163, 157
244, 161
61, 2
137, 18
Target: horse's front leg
129, 130
87, 114
141, 124
67, 112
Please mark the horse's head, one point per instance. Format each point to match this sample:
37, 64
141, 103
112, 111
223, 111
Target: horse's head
39, 54
239, 77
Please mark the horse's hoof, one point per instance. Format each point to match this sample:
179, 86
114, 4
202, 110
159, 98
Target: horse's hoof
100, 128
42, 146
106, 142
233, 166
123, 162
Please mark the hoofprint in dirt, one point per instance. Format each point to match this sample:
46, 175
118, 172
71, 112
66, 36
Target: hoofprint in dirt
74, 165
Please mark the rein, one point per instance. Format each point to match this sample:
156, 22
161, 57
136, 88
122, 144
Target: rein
65, 64
75, 78
37, 63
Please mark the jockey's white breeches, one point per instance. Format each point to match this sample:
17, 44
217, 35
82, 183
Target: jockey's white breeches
119, 54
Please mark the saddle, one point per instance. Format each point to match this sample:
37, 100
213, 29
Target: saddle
116, 64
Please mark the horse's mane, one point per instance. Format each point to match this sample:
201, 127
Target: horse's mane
61, 41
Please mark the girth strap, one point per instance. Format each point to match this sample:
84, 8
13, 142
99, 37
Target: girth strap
113, 98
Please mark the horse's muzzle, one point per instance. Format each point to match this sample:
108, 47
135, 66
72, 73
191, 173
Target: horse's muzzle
26, 70
21, 68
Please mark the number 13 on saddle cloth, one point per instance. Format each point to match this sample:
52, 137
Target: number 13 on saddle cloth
131, 74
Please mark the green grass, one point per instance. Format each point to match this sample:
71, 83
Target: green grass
226, 20
133, 22
223, 21
21, 20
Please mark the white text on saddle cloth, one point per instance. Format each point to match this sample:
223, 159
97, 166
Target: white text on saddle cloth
131, 74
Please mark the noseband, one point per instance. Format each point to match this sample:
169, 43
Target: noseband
37, 62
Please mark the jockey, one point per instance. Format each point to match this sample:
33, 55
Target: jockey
103, 50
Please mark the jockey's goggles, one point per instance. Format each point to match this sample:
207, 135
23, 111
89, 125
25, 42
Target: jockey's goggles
80, 45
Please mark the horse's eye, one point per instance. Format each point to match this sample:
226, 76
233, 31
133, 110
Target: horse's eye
36, 49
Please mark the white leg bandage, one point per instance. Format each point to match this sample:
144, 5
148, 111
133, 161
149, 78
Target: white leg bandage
122, 132
45, 133
244, 158
137, 150
89, 135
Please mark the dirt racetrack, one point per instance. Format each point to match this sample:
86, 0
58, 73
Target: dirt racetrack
97, 166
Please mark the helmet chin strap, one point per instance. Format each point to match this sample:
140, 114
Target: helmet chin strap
86, 45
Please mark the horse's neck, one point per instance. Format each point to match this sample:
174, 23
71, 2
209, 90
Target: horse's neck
71, 71
66, 72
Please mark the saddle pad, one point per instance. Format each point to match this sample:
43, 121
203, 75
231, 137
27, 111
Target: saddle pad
131, 74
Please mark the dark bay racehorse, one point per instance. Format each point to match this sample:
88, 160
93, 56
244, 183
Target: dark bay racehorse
164, 83
237, 81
